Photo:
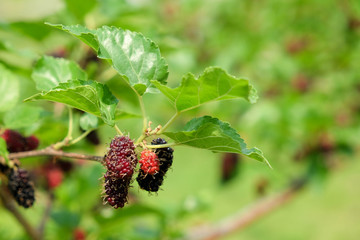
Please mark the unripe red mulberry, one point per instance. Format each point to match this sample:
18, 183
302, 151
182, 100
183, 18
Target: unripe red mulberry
149, 162
21, 187
120, 162
152, 183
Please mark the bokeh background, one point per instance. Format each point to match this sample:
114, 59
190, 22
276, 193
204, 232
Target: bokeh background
303, 58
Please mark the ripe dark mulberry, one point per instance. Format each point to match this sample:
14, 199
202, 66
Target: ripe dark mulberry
149, 162
21, 187
120, 162
152, 183
18, 143
116, 191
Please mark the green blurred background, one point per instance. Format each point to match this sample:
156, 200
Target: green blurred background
303, 58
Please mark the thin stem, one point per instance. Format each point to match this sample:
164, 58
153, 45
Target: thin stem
70, 130
161, 146
172, 119
143, 112
79, 138
53, 152
118, 130
9, 205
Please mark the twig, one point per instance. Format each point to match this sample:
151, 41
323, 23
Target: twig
46, 214
52, 152
245, 217
9, 205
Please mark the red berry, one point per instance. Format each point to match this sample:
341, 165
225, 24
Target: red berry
149, 162
121, 158
54, 177
79, 234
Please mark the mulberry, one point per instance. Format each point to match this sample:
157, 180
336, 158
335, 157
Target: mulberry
153, 182
18, 143
120, 162
21, 187
116, 190
149, 162
121, 158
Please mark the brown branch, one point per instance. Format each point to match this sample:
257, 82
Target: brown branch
52, 152
245, 217
9, 205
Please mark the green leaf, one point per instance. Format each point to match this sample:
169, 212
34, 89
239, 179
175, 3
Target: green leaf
9, 89
22, 116
49, 72
132, 55
213, 85
89, 96
3, 150
212, 134
88, 121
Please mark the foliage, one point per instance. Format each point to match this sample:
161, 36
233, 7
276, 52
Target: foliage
301, 56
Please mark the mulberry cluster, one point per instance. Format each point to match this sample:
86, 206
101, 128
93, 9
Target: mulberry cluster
21, 187
120, 162
153, 182
18, 143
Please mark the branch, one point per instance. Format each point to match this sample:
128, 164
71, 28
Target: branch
52, 152
245, 217
9, 205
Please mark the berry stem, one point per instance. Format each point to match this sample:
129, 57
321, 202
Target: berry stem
118, 130
79, 138
143, 112
70, 130
161, 145
171, 120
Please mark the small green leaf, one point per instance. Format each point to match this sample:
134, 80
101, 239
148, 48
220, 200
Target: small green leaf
3, 150
132, 55
9, 89
22, 116
49, 72
89, 96
212, 134
88, 121
213, 85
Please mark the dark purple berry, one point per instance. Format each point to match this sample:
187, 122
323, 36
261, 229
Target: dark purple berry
21, 187
18, 143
